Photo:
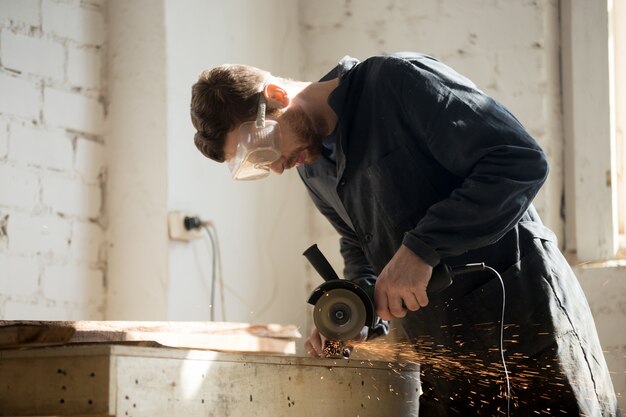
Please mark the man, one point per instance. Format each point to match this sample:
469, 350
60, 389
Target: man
414, 166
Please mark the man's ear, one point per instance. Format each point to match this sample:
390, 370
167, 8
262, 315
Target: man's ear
276, 95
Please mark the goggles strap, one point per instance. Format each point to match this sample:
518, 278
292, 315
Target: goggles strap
260, 116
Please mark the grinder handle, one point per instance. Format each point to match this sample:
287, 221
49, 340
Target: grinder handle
442, 275
320, 263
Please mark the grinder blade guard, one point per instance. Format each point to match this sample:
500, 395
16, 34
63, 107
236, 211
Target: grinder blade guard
342, 307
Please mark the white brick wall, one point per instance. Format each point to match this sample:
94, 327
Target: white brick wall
73, 111
19, 187
72, 283
52, 263
19, 275
31, 234
68, 20
85, 243
44, 58
40, 147
4, 139
21, 11
19, 97
89, 160
22, 308
71, 197
84, 67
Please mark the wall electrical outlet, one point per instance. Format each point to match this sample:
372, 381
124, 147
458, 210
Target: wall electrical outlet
176, 227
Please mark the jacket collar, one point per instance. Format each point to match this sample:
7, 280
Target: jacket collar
336, 101
336, 98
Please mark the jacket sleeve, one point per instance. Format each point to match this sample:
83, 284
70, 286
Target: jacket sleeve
477, 139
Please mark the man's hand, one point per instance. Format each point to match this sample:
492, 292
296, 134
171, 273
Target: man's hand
314, 345
402, 285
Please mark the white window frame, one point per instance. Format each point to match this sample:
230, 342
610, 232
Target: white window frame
593, 217
619, 45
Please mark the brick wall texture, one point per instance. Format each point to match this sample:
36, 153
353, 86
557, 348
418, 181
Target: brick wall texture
52, 263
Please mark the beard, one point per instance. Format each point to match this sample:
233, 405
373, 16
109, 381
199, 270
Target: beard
310, 133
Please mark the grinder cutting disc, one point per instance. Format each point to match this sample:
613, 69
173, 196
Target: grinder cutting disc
339, 314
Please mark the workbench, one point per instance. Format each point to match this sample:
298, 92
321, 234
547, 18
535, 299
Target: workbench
126, 380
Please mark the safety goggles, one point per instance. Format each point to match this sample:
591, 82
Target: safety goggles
258, 147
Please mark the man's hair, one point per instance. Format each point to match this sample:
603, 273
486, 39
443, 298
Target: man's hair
222, 98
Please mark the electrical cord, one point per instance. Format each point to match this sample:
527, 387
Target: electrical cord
194, 222
213, 269
217, 274
464, 269
506, 371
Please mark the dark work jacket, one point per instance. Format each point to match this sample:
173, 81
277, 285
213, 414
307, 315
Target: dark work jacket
425, 159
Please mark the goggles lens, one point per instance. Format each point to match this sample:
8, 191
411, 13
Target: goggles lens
257, 149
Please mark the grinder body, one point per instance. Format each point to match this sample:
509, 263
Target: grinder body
343, 308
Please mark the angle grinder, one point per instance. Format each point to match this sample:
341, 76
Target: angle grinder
343, 308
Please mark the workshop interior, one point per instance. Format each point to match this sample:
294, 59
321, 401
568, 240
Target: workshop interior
138, 278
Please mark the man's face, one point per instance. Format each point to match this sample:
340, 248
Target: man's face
301, 139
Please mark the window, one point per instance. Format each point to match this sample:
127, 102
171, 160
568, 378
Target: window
593, 123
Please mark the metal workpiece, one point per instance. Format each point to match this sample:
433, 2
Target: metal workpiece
118, 380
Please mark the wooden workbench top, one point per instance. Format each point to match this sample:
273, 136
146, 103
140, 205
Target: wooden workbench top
223, 336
